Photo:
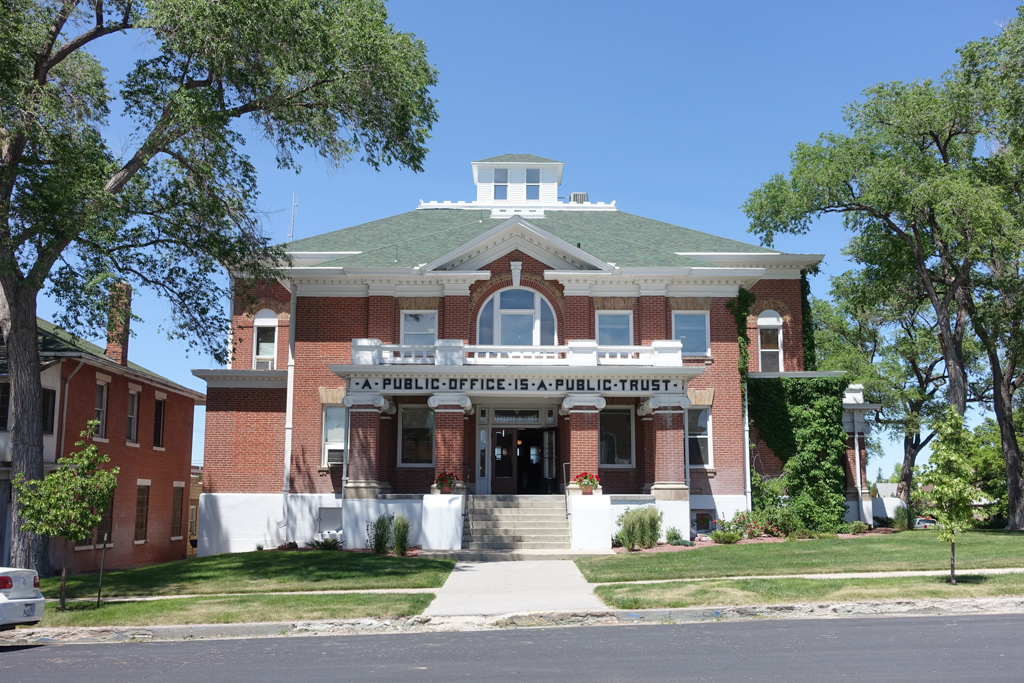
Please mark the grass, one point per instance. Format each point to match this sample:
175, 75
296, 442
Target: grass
782, 591
236, 609
908, 550
261, 572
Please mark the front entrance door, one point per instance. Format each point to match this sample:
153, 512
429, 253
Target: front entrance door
503, 460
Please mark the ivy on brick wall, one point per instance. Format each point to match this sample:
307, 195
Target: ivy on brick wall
740, 309
801, 420
810, 357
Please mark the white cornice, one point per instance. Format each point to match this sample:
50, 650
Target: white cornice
239, 379
776, 266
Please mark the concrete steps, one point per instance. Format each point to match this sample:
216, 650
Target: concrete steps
515, 524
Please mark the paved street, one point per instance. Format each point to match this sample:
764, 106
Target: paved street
933, 649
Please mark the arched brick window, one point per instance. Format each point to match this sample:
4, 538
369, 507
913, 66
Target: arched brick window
769, 341
517, 316
264, 332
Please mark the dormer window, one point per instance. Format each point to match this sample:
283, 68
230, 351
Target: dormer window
516, 317
533, 183
501, 183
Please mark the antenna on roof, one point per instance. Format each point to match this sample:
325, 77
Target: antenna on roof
396, 253
295, 207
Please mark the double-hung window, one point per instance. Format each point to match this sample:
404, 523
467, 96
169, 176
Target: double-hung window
416, 436
769, 341
177, 503
516, 317
419, 328
692, 330
265, 340
133, 414
698, 431
100, 410
614, 328
49, 410
142, 511
159, 413
533, 183
334, 436
616, 437
501, 183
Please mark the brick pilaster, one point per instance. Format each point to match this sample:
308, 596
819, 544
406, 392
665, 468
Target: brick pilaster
670, 454
381, 321
364, 441
653, 319
449, 435
456, 318
579, 318
583, 441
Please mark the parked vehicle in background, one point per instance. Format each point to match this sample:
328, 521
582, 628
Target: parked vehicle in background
20, 599
925, 523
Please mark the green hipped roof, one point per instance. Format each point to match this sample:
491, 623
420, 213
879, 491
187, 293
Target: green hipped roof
53, 339
517, 159
418, 237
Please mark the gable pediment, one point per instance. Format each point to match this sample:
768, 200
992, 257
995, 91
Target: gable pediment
517, 233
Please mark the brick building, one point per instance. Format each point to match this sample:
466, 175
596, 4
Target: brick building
514, 340
145, 428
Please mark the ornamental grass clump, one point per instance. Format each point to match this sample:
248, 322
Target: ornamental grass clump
400, 536
725, 537
378, 534
639, 527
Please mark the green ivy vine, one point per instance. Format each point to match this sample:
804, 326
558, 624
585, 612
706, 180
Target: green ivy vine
740, 309
810, 357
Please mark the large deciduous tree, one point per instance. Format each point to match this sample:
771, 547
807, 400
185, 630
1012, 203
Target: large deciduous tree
179, 205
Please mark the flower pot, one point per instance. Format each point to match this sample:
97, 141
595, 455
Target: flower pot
446, 489
587, 490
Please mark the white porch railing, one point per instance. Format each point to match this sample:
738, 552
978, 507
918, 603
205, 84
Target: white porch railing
666, 353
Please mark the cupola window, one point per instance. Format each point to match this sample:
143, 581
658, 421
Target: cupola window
533, 183
501, 183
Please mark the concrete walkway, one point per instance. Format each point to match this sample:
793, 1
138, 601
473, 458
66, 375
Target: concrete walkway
488, 588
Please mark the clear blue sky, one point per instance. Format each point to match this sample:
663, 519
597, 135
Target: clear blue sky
676, 110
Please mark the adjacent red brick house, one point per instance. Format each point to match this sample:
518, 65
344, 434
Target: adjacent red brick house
146, 429
514, 340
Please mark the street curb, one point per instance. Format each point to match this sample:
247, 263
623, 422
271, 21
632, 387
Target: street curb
425, 624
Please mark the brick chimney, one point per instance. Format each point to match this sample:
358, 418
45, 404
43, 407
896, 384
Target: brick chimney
118, 317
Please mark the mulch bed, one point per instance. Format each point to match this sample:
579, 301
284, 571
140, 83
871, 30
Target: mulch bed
666, 548
411, 552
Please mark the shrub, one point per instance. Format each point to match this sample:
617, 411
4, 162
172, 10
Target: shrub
843, 528
682, 541
858, 527
748, 525
800, 533
901, 520
290, 545
400, 540
725, 537
673, 535
783, 519
325, 544
378, 534
259, 546
885, 522
640, 527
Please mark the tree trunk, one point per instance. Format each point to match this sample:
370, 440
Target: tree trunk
951, 342
5, 495
1002, 404
952, 562
18, 322
911, 448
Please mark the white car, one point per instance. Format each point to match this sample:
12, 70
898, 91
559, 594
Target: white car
21, 603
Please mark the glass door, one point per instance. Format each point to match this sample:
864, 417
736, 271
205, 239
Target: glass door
503, 461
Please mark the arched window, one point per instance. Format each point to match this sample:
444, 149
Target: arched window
769, 341
516, 317
264, 345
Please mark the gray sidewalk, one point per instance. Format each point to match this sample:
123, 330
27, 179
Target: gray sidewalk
488, 588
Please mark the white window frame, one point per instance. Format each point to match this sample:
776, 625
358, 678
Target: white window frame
264, 318
707, 331
597, 324
770, 322
527, 184
135, 391
496, 312
710, 437
401, 425
101, 432
332, 445
495, 183
409, 312
632, 437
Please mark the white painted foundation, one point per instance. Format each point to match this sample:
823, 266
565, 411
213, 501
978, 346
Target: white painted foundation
590, 522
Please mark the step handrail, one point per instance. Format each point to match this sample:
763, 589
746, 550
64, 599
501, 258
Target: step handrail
565, 487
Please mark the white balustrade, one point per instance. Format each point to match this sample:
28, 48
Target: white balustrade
575, 353
516, 355
406, 354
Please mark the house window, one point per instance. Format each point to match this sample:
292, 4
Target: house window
419, 328
193, 520
533, 183
416, 440
5, 405
334, 436
702, 521
100, 413
616, 438
265, 340
158, 422
177, 500
698, 431
141, 513
516, 317
614, 328
501, 183
49, 410
769, 341
692, 329
133, 417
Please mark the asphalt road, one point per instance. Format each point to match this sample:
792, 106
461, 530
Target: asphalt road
932, 649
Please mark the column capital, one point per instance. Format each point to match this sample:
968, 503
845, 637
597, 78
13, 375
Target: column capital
660, 401
367, 400
451, 399
576, 401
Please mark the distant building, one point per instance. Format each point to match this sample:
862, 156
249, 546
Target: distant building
146, 429
886, 490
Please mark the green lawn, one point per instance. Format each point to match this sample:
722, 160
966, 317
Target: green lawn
261, 572
719, 593
236, 609
904, 551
